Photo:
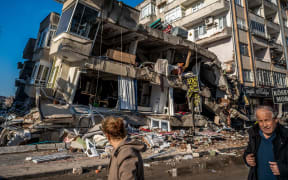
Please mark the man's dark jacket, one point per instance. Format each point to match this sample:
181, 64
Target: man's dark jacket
280, 149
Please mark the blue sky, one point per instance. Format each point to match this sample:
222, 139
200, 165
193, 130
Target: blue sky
20, 20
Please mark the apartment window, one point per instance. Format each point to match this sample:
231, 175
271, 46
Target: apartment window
41, 38
64, 20
256, 26
147, 10
243, 49
199, 31
173, 15
53, 75
248, 76
279, 79
39, 72
222, 22
239, 2
264, 77
197, 6
160, 124
45, 74
50, 37
285, 22
84, 22
241, 23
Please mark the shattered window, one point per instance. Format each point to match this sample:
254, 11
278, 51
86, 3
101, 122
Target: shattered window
84, 22
164, 126
64, 20
155, 124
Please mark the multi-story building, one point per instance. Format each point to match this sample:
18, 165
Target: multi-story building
97, 53
34, 71
249, 37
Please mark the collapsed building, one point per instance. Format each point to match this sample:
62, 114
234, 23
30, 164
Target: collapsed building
96, 53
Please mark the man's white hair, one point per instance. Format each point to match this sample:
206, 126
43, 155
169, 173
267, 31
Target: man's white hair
268, 108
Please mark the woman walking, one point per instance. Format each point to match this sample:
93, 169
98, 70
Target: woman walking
126, 162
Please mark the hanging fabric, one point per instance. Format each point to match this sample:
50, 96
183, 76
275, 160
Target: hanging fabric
127, 93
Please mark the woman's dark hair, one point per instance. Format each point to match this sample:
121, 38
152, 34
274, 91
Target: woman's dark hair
114, 126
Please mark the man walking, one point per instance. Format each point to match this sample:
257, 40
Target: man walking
267, 151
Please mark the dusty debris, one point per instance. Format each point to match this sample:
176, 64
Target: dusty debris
77, 170
52, 157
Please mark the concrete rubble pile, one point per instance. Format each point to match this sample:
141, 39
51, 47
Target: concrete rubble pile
93, 143
172, 93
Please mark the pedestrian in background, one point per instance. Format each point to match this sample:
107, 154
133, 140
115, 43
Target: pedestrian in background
126, 162
267, 151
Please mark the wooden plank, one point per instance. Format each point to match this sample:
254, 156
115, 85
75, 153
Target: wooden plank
121, 56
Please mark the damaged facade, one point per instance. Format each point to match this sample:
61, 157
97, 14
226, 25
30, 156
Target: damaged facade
97, 53
248, 37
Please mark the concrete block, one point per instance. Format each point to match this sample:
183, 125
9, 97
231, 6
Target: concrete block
46, 147
17, 149
60, 146
77, 170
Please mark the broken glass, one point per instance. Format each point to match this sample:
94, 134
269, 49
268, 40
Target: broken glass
84, 22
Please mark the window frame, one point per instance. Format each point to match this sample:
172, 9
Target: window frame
178, 14
74, 6
150, 10
248, 76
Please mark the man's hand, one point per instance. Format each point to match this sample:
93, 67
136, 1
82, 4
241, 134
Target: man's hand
250, 159
274, 168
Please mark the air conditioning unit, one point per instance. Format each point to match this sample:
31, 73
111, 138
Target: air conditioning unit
209, 21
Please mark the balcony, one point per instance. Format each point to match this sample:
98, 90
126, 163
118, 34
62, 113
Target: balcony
71, 47
160, 2
148, 19
187, 3
254, 3
41, 53
270, 7
276, 46
212, 9
29, 48
20, 82
272, 27
225, 33
257, 33
262, 63
279, 62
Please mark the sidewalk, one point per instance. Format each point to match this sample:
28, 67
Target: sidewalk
15, 166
